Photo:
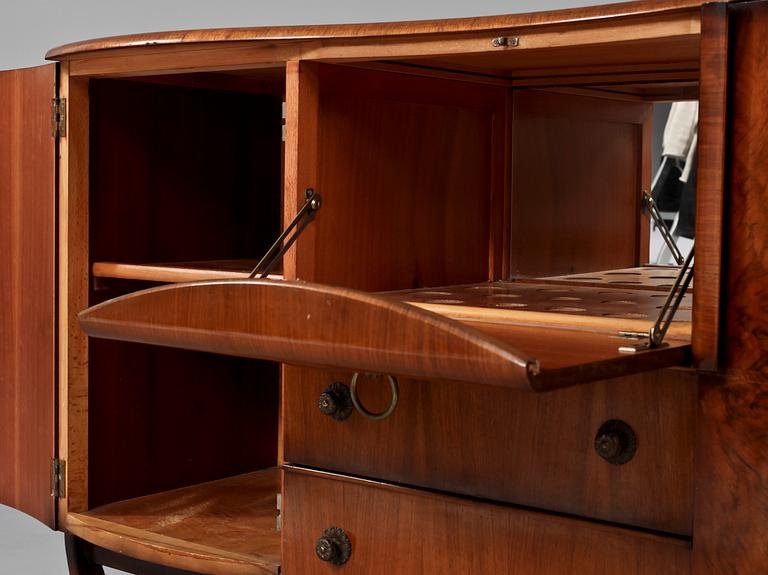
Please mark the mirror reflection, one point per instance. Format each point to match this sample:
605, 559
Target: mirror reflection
674, 181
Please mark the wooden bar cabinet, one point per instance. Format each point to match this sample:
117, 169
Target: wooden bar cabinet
453, 370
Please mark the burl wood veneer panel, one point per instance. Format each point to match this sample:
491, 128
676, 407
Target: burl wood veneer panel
732, 466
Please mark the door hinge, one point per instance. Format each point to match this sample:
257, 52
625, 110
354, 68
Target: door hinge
58, 478
59, 117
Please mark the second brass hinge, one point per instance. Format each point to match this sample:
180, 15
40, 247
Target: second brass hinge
58, 478
59, 117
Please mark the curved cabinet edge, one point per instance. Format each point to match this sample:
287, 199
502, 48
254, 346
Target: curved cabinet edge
308, 324
165, 551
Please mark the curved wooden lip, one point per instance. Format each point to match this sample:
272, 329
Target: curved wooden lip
170, 315
370, 30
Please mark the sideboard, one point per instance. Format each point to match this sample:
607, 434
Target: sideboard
464, 363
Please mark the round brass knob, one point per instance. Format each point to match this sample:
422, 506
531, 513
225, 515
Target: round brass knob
616, 442
336, 401
334, 546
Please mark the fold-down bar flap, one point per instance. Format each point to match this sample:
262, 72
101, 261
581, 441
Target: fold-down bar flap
309, 324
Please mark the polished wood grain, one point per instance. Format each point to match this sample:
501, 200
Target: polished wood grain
614, 61
178, 271
711, 187
534, 450
407, 173
225, 527
314, 324
631, 80
27, 291
578, 166
581, 16
565, 305
570, 318
732, 467
404, 531
301, 159
292, 321
73, 290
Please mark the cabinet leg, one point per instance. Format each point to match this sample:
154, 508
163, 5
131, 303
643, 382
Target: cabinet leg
79, 557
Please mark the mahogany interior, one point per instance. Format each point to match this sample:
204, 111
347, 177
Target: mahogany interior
202, 195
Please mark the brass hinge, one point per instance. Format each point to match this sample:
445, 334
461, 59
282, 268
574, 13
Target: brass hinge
279, 517
59, 117
58, 478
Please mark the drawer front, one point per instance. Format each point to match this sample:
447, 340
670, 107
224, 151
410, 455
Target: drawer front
529, 449
405, 531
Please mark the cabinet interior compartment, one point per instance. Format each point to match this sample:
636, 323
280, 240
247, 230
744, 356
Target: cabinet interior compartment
426, 182
183, 449
185, 174
185, 183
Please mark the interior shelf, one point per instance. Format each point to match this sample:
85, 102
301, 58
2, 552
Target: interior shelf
478, 333
575, 302
221, 527
649, 277
172, 272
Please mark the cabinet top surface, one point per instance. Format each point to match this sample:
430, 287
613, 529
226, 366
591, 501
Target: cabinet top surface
351, 32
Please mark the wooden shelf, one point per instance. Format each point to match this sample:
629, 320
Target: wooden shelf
174, 272
578, 304
224, 527
318, 325
650, 277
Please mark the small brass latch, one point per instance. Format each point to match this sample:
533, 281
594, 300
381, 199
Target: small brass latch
505, 41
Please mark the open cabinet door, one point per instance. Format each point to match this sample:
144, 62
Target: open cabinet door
27, 291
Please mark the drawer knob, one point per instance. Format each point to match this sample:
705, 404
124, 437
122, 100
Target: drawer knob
334, 546
336, 401
616, 442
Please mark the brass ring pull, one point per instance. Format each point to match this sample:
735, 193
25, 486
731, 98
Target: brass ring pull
369, 414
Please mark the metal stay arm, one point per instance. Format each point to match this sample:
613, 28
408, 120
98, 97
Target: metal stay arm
304, 216
668, 310
649, 206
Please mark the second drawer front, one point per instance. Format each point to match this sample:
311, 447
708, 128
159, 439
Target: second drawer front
530, 449
393, 530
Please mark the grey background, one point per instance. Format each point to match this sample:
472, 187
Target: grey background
28, 28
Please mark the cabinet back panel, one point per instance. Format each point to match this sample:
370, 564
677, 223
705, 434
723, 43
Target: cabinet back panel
163, 418
407, 169
183, 174
578, 169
